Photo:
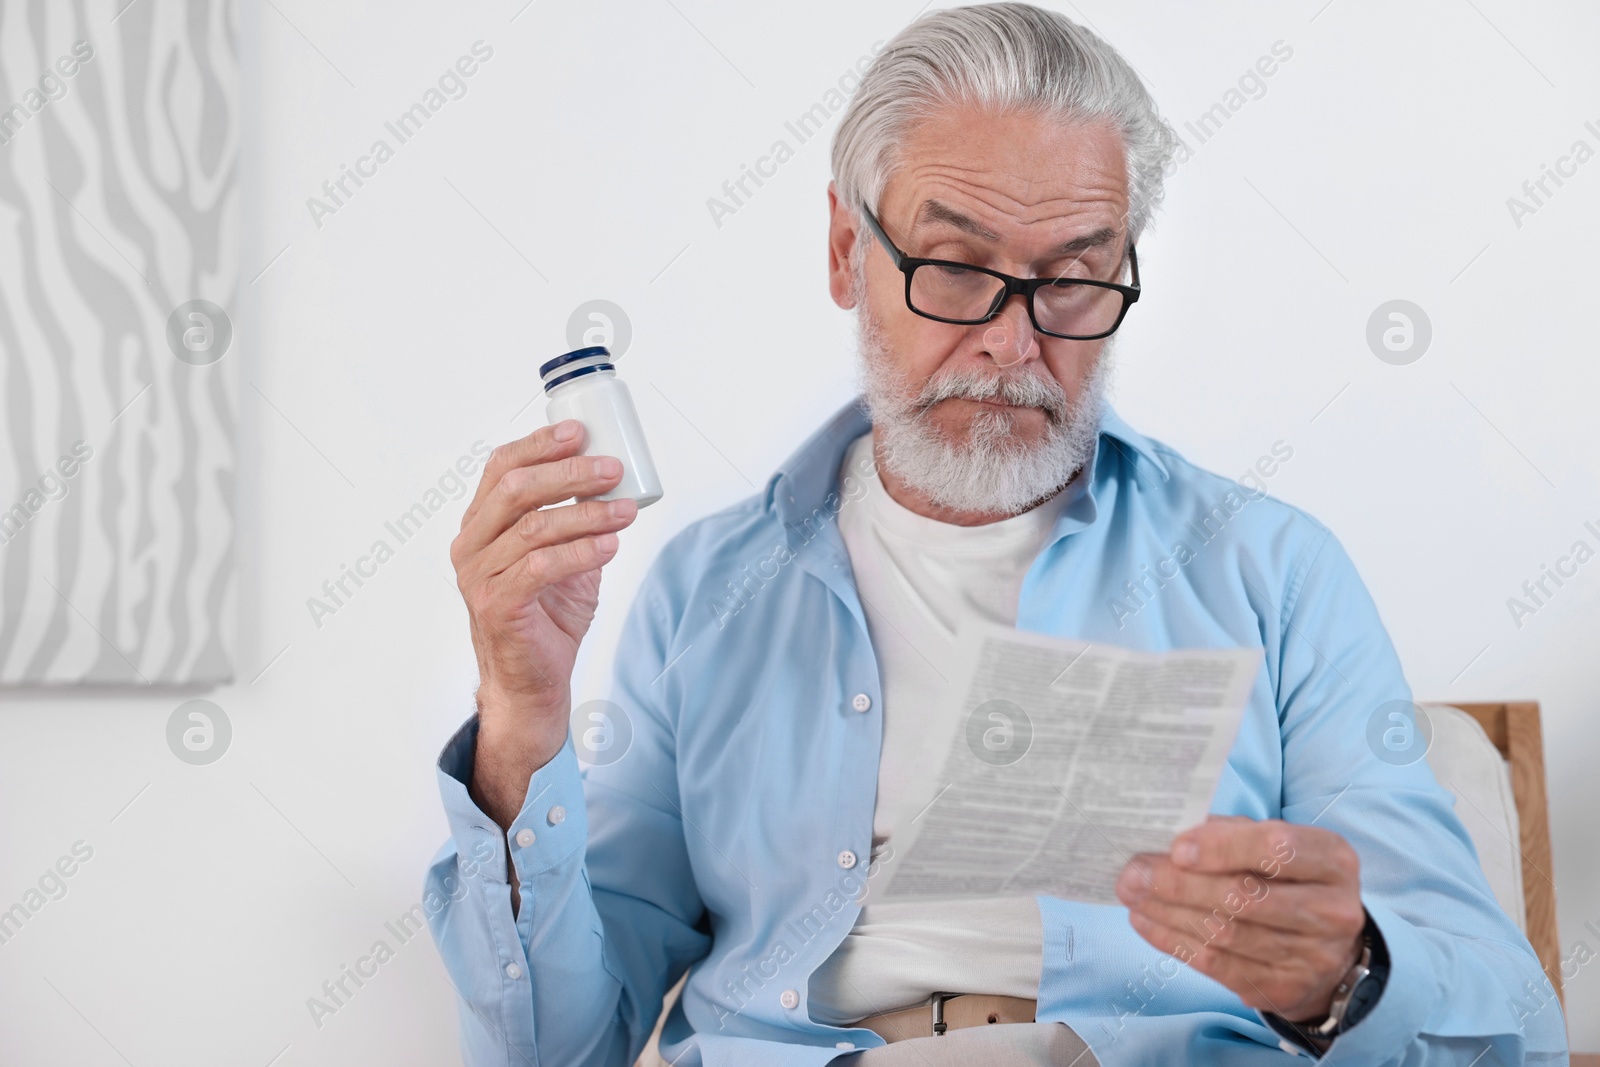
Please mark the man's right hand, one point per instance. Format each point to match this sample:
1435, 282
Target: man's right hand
530, 575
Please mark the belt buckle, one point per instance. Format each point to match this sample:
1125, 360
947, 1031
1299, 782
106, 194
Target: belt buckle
937, 1001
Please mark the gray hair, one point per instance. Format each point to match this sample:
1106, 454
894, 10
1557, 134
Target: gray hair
1009, 57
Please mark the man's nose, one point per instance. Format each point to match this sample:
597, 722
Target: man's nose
1008, 338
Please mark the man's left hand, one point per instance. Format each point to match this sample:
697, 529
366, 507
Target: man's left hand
1270, 909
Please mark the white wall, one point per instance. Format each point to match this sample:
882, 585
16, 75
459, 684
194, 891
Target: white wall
410, 324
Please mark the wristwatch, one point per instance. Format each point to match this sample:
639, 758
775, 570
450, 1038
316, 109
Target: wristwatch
1356, 995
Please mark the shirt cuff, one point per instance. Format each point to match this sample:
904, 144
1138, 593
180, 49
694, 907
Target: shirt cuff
551, 826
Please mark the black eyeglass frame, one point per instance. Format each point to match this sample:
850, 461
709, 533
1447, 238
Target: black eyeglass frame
1026, 287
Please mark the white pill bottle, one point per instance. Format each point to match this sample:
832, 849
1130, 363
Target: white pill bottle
583, 385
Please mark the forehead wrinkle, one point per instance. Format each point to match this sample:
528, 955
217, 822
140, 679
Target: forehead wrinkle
1064, 204
1042, 211
983, 158
936, 211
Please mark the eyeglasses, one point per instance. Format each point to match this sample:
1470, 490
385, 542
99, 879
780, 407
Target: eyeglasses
1077, 309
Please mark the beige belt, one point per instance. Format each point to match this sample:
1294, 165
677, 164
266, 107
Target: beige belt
949, 1011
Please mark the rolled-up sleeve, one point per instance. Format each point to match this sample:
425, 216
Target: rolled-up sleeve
486, 951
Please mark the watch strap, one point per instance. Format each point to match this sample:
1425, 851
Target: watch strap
1363, 998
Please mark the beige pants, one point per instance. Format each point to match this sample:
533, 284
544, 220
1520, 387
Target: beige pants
999, 1045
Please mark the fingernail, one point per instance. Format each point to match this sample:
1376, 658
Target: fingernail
606, 466
566, 430
1186, 853
623, 507
606, 542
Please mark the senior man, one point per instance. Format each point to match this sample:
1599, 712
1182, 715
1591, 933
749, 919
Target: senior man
777, 685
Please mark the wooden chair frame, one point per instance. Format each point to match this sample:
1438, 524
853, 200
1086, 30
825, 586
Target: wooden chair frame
1514, 728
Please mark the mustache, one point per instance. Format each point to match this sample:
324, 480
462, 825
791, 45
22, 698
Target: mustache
1026, 390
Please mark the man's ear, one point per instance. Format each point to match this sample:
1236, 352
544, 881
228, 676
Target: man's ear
842, 237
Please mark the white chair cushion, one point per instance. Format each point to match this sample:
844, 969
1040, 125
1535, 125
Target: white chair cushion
1466, 762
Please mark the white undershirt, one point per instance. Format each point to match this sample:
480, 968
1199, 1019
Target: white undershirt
917, 578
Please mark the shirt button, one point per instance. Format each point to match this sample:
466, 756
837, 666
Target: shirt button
844, 1044
513, 971
557, 816
789, 998
862, 702
847, 859
524, 837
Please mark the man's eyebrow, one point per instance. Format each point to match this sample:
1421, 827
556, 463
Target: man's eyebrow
935, 211
1104, 236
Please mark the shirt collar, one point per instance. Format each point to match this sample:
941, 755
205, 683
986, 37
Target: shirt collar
802, 483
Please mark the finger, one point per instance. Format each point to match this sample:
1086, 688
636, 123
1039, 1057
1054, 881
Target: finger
550, 526
1174, 942
1316, 909
538, 447
1248, 929
528, 488
522, 581
1230, 932
1271, 847
1276, 988
1155, 876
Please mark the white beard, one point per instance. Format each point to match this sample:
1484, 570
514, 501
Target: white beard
993, 471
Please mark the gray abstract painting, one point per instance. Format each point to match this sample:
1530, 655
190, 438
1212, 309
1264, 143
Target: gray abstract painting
119, 236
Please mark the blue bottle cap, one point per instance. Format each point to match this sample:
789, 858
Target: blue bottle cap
573, 356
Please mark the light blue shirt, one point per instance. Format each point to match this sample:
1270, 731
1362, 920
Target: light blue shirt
724, 840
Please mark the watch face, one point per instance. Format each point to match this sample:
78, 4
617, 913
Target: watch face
1362, 1000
